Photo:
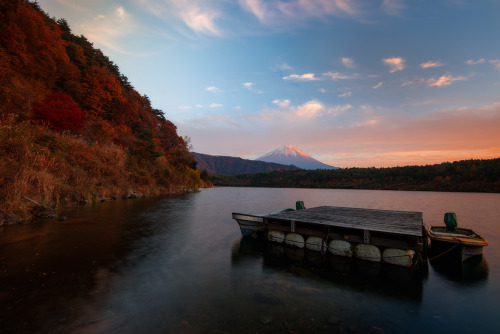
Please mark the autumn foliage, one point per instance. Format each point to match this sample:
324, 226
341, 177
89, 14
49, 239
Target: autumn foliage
54, 81
59, 112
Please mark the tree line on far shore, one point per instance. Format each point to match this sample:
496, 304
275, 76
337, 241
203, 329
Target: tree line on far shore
477, 175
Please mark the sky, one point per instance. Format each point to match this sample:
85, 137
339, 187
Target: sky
361, 83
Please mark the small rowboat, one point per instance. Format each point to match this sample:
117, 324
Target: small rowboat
463, 241
253, 224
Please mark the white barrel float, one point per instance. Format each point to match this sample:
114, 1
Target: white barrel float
398, 257
295, 240
276, 236
314, 244
340, 247
367, 252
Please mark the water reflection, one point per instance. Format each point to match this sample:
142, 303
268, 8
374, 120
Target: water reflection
473, 271
362, 276
179, 265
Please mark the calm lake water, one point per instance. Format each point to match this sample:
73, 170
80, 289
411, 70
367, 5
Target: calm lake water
178, 264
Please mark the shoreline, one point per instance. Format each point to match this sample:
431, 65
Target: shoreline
40, 211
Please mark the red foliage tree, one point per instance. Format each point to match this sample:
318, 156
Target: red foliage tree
60, 112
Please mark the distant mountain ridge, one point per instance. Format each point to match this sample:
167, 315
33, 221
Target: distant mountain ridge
225, 165
290, 155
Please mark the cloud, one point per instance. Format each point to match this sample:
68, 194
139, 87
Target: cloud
282, 103
107, 29
250, 87
496, 63
431, 64
374, 136
475, 62
444, 80
289, 114
275, 12
216, 105
395, 64
378, 85
346, 94
285, 67
200, 16
213, 89
393, 7
336, 76
301, 77
201, 20
348, 62
308, 110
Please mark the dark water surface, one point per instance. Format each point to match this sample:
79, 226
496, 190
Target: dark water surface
178, 265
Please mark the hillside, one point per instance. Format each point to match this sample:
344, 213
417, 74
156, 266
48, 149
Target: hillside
72, 127
224, 165
466, 175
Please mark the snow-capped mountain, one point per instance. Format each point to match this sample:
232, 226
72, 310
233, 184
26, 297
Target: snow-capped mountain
290, 155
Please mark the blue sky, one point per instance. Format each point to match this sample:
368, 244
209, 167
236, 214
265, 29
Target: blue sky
351, 83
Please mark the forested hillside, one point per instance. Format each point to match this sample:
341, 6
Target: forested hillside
467, 175
225, 165
72, 127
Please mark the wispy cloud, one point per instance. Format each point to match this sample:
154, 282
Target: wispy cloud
276, 11
200, 16
395, 64
380, 84
348, 62
336, 76
302, 77
475, 62
496, 63
105, 29
430, 64
216, 105
201, 20
444, 80
379, 138
393, 7
213, 89
346, 94
251, 87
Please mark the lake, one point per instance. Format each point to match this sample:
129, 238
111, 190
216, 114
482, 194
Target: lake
178, 264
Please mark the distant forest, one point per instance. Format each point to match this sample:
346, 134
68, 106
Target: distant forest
225, 165
464, 176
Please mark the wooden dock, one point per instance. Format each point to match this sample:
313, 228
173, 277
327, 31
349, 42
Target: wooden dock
383, 228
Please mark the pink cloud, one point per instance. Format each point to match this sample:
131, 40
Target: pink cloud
444, 80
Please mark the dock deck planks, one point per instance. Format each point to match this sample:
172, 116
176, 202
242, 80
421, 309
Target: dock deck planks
386, 221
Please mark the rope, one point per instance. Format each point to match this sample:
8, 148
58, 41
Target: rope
449, 250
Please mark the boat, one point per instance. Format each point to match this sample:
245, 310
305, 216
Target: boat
462, 241
251, 225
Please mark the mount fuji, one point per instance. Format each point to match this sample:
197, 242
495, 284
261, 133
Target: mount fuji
290, 155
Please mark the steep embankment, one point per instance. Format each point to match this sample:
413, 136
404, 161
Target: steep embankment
72, 128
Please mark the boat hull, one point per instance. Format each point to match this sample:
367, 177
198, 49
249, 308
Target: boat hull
250, 225
461, 242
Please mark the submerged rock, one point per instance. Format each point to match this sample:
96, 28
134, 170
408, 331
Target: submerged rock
267, 299
40, 210
265, 319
